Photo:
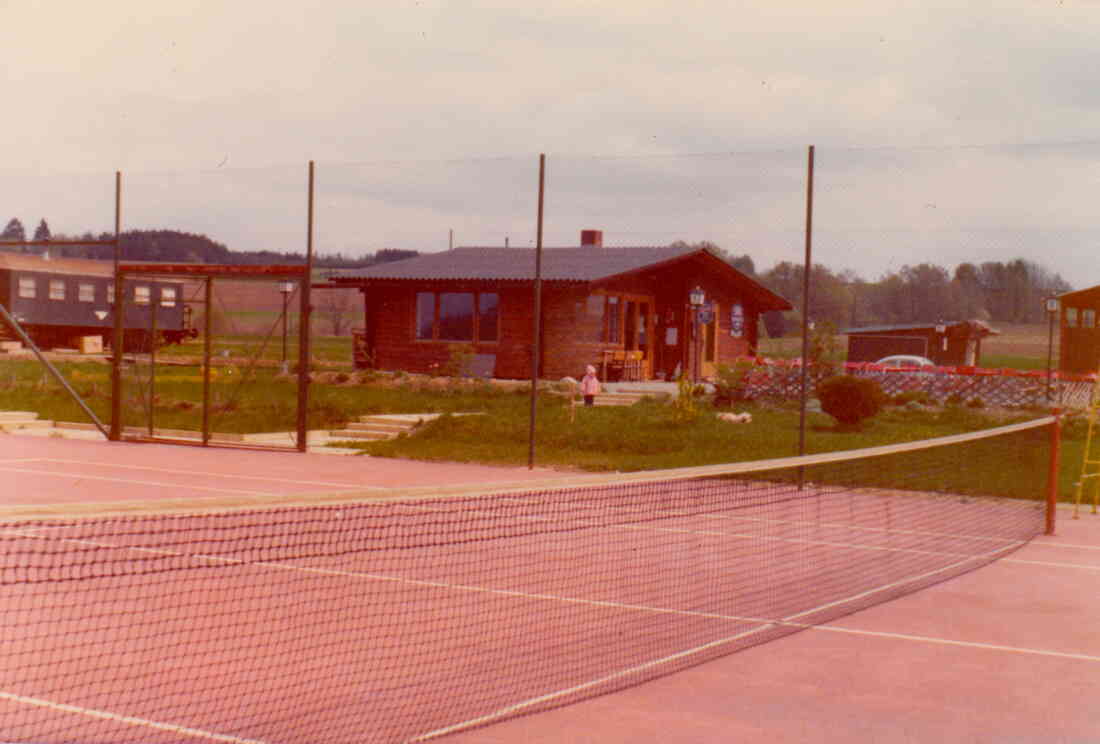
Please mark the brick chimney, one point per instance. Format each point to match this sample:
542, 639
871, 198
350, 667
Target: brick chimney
592, 238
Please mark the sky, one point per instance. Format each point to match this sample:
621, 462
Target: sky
943, 132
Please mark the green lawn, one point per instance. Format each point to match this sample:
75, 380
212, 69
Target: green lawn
650, 435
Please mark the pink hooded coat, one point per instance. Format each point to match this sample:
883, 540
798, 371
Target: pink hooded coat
590, 385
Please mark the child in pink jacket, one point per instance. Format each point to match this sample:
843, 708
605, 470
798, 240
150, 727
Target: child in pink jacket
590, 385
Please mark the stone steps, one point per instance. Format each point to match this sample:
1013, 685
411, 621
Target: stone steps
20, 420
380, 427
619, 398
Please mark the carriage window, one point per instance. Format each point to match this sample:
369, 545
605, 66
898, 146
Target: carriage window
1071, 317
28, 288
86, 292
110, 294
1088, 318
141, 295
57, 289
167, 296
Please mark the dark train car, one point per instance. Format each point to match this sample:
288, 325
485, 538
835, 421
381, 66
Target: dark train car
59, 300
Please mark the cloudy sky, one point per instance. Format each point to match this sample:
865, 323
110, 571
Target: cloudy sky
944, 132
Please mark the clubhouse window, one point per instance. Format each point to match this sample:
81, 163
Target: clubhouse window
458, 316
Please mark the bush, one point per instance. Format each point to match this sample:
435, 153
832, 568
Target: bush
732, 383
922, 397
849, 399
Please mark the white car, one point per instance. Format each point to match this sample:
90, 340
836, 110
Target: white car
905, 360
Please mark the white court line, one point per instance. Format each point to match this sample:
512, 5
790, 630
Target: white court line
1052, 564
964, 644
129, 720
1071, 546
156, 484
518, 707
762, 623
788, 621
195, 473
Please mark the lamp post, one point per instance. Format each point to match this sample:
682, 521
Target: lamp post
285, 289
1052, 310
696, 297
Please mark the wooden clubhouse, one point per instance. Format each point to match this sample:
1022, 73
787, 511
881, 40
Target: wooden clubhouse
626, 310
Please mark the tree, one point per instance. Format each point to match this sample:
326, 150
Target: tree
393, 254
968, 288
14, 231
830, 295
337, 306
744, 264
927, 293
42, 232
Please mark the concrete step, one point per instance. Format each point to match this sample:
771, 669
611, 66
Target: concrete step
369, 436
379, 427
618, 399
382, 427
6, 416
28, 424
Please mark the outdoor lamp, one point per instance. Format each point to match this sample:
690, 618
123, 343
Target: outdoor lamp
697, 297
1052, 304
286, 287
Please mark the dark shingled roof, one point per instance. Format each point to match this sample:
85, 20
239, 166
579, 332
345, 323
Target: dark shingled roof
976, 327
585, 264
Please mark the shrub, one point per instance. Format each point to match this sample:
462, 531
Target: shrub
732, 383
849, 399
955, 399
683, 406
913, 396
458, 361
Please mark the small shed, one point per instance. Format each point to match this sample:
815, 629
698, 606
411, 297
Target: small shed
599, 305
1079, 335
953, 343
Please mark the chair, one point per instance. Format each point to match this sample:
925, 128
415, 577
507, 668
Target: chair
632, 365
615, 365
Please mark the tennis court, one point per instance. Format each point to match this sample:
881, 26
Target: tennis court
309, 600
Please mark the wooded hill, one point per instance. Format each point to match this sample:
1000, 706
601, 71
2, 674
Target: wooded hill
173, 246
1011, 292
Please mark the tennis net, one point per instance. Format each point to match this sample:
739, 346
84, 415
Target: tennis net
415, 616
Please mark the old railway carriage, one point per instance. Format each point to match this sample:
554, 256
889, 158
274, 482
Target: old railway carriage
58, 300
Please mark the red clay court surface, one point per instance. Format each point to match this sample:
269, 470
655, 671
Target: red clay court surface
1007, 653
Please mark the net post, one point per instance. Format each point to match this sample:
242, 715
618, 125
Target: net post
1052, 473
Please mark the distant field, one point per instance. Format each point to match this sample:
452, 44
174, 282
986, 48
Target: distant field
1017, 346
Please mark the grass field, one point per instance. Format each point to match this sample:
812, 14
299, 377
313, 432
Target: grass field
646, 436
